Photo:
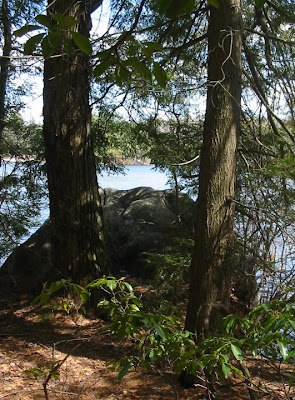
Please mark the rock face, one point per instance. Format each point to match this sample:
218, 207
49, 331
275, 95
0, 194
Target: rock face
30, 263
136, 221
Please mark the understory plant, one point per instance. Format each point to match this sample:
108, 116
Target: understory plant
268, 331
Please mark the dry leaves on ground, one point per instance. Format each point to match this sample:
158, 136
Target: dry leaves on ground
29, 341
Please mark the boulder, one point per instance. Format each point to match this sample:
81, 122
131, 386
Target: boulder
136, 221
29, 264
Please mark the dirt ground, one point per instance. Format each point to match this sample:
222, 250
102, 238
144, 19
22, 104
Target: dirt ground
30, 341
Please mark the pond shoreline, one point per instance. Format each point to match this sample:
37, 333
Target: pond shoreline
119, 161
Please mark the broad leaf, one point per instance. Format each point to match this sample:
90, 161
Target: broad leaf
124, 371
25, 29
82, 42
111, 284
259, 3
124, 74
150, 48
102, 67
44, 20
65, 21
225, 370
214, 3
292, 323
32, 43
164, 4
153, 355
236, 352
129, 287
283, 350
50, 44
189, 7
177, 8
144, 71
81, 292
97, 283
160, 75
159, 331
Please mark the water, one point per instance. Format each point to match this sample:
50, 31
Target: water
135, 176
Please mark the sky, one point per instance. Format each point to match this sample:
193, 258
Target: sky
32, 112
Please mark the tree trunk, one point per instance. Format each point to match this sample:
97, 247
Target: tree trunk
75, 209
210, 269
4, 64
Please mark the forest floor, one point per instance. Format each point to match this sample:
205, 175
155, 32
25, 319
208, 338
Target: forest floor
29, 341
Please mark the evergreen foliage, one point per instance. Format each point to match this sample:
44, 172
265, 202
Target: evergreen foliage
161, 343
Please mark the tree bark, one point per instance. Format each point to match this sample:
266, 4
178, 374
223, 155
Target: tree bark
75, 209
210, 270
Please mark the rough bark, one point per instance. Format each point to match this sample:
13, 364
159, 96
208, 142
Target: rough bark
210, 269
75, 209
4, 64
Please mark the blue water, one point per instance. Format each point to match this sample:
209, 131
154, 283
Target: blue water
135, 176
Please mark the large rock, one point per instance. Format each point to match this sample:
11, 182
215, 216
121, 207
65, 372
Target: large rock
29, 264
136, 221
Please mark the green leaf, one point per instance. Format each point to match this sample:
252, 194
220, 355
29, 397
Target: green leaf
124, 74
225, 370
214, 3
97, 283
159, 331
102, 67
236, 352
82, 42
111, 284
134, 308
32, 43
103, 303
259, 3
25, 29
36, 372
65, 21
147, 52
272, 320
160, 75
47, 49
44, 20
283, 350
57, 285
82, 292
124, 371
145, 71
50, 44
153, 355
150, 48
129, 287
163, 6
177, 8
189, 7
292, 323
266, 307
229, 322
55, 375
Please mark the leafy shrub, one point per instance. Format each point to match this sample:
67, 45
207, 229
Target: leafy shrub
161, 341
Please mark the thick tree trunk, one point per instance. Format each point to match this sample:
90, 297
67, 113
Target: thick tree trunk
75, 211
4, 65
210, 269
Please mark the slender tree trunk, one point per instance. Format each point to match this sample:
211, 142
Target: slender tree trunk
210, 269
4, 65
75, 209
